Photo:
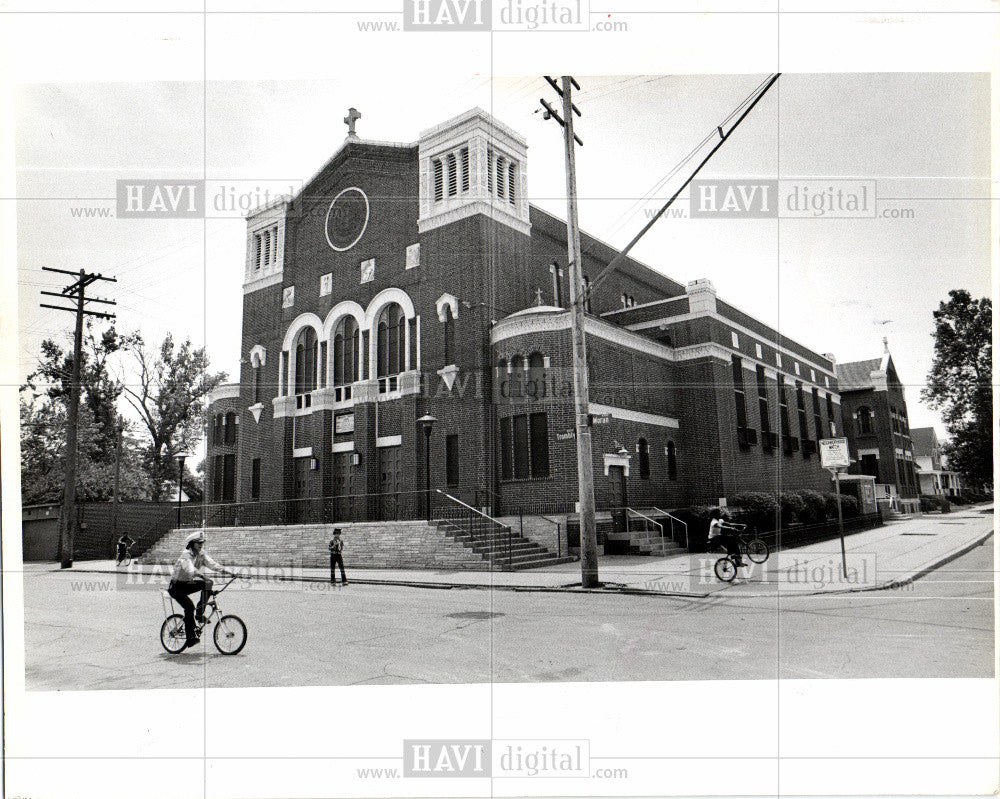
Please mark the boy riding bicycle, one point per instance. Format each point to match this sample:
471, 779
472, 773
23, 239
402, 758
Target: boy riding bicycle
722, 533
188, 577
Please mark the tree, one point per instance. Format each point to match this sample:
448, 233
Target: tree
960, 383
170, 399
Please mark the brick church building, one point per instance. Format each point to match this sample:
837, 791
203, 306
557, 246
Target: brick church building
415, 280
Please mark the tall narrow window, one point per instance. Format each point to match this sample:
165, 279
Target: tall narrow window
217, 479
741, 400
217, 432
228, 478
517, 376
643, 459
671, 461
829, 415
817, 416
465, 169
255, 479
586, 294
391, 352
305, 361
449, 336
267, 247
502, 378
489, 171
346, 351
865, 420
451, 460
231, 427
511, 182
535, 387
765, 411
257, 251
258, 382
786, 427
800, 405
452, 175
438, 179
501, 171
539, 432
506, 449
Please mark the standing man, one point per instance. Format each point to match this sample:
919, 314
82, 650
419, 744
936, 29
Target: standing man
336, 558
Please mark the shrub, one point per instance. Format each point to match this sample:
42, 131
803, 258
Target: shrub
815, 506
849, 505
792, 507
929, 503
945, 505
755, 509
957, 500
697, 518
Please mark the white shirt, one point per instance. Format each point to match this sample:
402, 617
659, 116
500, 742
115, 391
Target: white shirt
188, 565
715, 528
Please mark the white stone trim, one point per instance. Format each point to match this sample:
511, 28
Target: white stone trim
639, 417
615, 460
871, 451
262, 283
342, 446
338, 312
388, 441
302, 452
492, 209
225, 391
448, 300
364, 226
616, 311
258, 356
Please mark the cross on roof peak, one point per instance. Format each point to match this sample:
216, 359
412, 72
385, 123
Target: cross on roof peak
352, 117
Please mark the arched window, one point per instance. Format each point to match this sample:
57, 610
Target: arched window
502, 377
391, 352
231, 427
217, 432
865, 419
305, 361
536, 375
449, 336
346, 351
643, 459
517, 376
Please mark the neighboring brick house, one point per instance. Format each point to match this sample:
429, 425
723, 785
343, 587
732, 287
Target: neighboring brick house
877, 429
415, 279
932, 469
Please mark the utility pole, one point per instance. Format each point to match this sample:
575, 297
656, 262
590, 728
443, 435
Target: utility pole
581, 387
77, 290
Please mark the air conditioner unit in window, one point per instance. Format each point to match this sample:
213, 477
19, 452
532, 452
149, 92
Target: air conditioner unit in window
746, 436
769, 440
791, 444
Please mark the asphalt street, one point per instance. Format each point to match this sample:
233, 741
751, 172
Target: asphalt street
85, 631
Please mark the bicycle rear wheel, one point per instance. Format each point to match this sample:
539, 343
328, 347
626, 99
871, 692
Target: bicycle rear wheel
725, 569
757, 551
172, 634
230, 635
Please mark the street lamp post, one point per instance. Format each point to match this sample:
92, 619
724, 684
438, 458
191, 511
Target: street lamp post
181, 456
427, 422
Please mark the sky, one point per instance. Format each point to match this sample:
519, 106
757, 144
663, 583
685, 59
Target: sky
835, 285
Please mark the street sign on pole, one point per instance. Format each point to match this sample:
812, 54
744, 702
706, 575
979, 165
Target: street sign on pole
833, 452
835, 455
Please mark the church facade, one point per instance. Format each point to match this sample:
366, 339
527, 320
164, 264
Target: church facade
409, 308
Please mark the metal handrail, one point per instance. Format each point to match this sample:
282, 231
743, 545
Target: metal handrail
672, 520
558, 534
643, 516
497, 525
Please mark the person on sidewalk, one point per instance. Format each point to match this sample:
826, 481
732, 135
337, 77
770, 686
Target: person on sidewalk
336, 558
188, 577
122, 547
722, 533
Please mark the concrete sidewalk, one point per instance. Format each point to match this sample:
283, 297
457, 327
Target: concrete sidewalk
886, 557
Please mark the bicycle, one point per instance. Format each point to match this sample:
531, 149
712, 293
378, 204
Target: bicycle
755, 549
230, 633
126, 557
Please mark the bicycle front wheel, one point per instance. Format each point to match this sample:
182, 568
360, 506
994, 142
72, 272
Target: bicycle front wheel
725, 569
757, 551
230, 635
172, 634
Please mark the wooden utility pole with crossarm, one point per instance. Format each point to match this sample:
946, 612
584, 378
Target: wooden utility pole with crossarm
77, 291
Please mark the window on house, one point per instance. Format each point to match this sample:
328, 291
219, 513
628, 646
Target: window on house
258, 382
228, 478
449, 336
305, 361
536, 375
267, 247
517, 376
741, 401
255, 479
800, 405
786, 426
817, 416
511, 182
865, 420
391, 345
257, 251
217, 479
217, 431
501, 173
765, 413
671, 461
643, 459
438, 179
346, 352
489, 170
869, 465
231, 426
829, 416
451, 460
465, 168
452, 163
502, 377
524, 447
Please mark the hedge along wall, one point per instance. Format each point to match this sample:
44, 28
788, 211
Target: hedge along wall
145, 522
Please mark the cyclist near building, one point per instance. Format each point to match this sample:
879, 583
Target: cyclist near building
122, 547
722, 533
188, 577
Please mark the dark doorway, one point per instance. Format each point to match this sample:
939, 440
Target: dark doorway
617, 497
389, 480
